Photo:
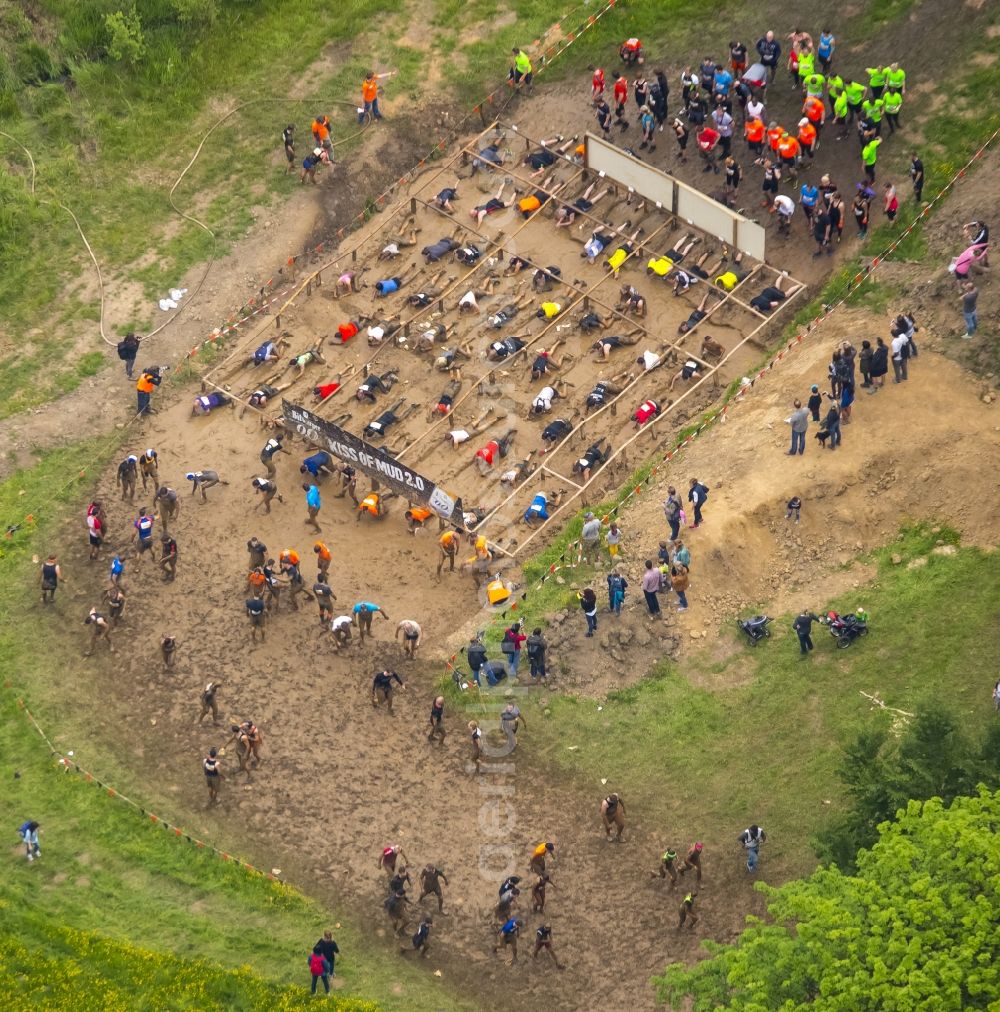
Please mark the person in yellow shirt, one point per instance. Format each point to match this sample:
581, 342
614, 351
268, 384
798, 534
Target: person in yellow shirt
522, 71
538, 856
369, 96
448, 543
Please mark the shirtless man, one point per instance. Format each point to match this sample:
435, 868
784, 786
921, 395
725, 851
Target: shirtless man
613, 816
209, 704
436, 720
168, 503
431, 879
411, 636
101, 631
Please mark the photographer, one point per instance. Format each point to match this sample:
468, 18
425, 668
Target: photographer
148, 381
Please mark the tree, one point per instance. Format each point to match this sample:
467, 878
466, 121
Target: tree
932, 758
915, 928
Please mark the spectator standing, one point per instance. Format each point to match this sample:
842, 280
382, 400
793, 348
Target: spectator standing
679, 583
329, 950
803, 629
900, 354
815, 402
697, 495
865, 364
799, 421
319, 968
879, 365
617, 585
769, 51
590, 537
917, 176
970, 296
535, 647
672, 511
588, 602
511, 646
128, 348
651, 587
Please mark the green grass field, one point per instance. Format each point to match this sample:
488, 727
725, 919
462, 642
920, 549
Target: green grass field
761, 735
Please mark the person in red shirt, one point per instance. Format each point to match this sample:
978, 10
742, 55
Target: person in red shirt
324, 390
597, 84
646, 411
488, 453
621, 97
707, 140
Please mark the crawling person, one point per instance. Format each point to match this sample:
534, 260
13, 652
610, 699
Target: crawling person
378, 427
444, 198
387, 286
631, 301
538, 510
773, 295
446, 399
546, 360
555, 432
481, 211
314, 354
500, 350
697, 315
544, 278
486, 455
662, 265
207, 403
503, 316
269, 351
646, 412
379, 330
395, 243
469, 302
617, 259
684, 277
459, 436
519, 471
448, 358
566, 213
533, 202
376, 384
691, 369
542, 404
604, 389
428, 292
435, 251
594, 456
265, 393
603, 346
324, 391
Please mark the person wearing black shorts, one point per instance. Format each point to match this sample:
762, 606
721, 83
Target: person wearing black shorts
288, 139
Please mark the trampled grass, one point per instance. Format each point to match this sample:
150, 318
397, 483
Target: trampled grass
758, 736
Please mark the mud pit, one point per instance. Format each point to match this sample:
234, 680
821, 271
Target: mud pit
493, 397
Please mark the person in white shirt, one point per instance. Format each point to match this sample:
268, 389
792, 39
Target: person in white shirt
784, 207
542, 404
899, 356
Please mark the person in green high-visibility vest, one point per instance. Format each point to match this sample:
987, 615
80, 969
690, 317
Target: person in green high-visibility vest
855, 92
893, 103
840, 110
895, 78
876, 80
521, 71
869, 155
834, 89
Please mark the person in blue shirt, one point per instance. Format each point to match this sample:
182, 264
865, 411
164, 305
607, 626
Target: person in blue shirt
723, 81
364, 612
312, 504
808, 198
117, 568
317, 465
144, 530
824, 49
507, 935
538, 511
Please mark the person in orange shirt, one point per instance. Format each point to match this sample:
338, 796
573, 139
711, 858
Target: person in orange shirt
807, 136
774, 133
321, 134
449, 543
416, 517
815, 111
323, 557
754, 133
369, 95
788, 148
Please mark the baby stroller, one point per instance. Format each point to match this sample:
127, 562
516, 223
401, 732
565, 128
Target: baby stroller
755, 628
845, 629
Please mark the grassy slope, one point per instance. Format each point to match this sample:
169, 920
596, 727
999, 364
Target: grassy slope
761, 738
106, 868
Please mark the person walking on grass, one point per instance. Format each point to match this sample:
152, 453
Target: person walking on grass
535, 647
751, 839
651, 588
29, 837
521, 72
329, 950
320, 970
803, 629
697, 495
50, 577
970, 296
369, 96
917, 176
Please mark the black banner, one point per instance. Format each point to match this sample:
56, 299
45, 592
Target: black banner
374, 461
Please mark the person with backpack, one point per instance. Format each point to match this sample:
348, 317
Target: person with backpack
510, 646
672, 511
128, 349
617, 585
751, 840
320, 970
536, 654
29, 837
697, 495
